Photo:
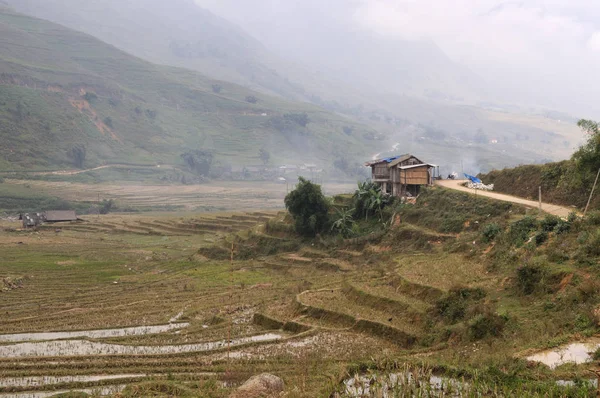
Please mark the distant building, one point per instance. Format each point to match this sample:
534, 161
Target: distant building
53, 216
32, 220
402, 175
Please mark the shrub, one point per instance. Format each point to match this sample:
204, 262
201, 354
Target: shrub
596, 355
583, 322
298, 118
107, 206
216, 88
529, 277
484, 325
550, 222
90, 97
592, 247
109, 122
1, 180
309, 208
593, 218
490, 232
251, 99
572, 217
540, 237
453, 224
453, 306
519, 230
562, 227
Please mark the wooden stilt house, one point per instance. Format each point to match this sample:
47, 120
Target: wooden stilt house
402, 175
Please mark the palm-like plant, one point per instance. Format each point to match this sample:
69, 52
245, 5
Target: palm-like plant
377, 201
343, 225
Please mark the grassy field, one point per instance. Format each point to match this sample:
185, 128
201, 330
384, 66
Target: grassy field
315, 312
39, 195
125, 110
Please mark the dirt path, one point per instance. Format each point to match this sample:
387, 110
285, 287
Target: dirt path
547, 207
75, 172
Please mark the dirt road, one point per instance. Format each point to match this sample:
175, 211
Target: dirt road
75, 172
547, 207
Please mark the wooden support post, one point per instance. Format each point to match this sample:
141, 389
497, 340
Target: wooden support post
592, 193
540, 192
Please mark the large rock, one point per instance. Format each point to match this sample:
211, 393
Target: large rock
262, 386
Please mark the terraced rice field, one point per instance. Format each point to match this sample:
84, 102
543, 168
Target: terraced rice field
151, 304
127, 300
214, 196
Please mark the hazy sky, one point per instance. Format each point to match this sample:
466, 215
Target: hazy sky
549, 48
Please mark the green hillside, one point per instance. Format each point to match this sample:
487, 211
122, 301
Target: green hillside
62, 90
418, 97
569, 182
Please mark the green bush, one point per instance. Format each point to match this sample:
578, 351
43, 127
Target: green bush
592, 246
550, 222
453, 225
309, 208
453, 306
484, 325
520, 230
490, 232
529, 277
562, 227
540, 237
593, 218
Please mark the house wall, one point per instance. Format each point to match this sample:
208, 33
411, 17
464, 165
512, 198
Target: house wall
380, 171
416, 176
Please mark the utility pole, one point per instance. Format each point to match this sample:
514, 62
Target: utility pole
592, 193
540, 195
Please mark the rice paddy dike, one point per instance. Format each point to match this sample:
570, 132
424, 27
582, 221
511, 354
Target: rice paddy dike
450, 297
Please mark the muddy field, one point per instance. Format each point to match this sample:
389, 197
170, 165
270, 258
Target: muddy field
123, 300
214, 196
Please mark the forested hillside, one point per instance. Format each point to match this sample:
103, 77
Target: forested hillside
569, 182
68, 99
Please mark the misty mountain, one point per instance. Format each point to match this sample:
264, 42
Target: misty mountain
176, 33
180, 33
66, 95
353, 73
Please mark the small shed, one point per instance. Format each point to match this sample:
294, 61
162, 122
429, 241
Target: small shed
31, 220
53, 216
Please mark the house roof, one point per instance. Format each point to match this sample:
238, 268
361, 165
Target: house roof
414, 166
403, 158
61, 215
384, 160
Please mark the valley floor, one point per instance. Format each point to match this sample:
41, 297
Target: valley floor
151, 304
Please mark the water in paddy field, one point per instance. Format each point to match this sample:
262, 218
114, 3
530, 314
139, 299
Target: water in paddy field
35, 381
387, 385
577, 353
96, 391
83, 347
92, 334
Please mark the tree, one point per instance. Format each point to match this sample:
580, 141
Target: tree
298, 118
309, 208
107, 206
264, 155
587, 157
78, 154
90, 97
198, 161
368, 200
251, 99
216, 88
109, 122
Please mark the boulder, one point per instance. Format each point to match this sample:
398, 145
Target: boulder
261, 386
